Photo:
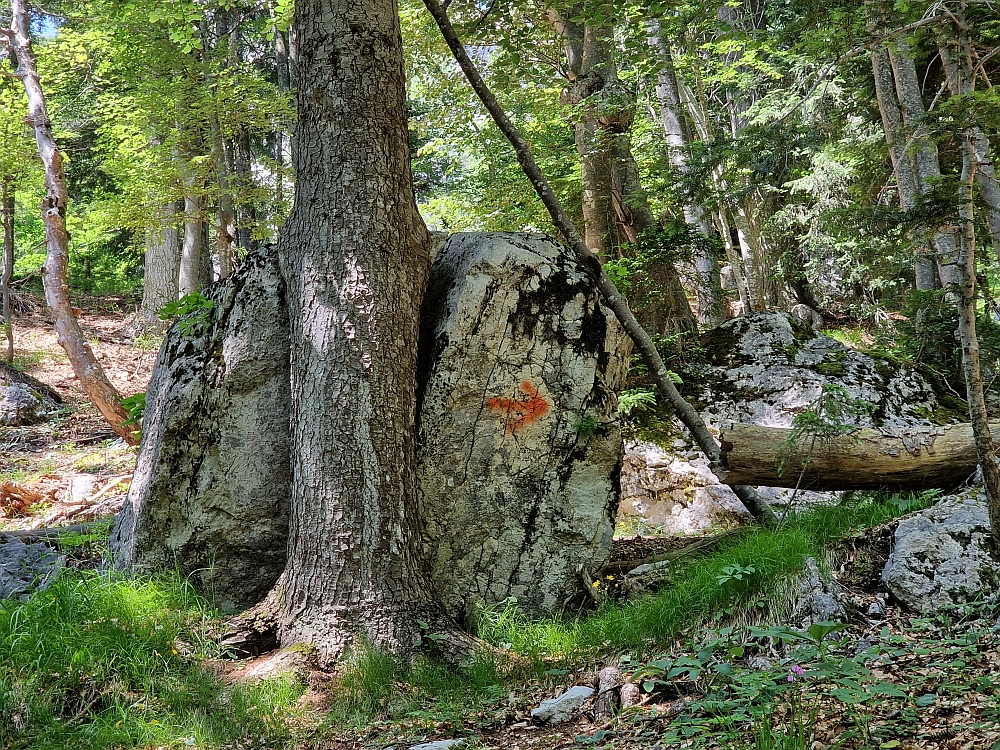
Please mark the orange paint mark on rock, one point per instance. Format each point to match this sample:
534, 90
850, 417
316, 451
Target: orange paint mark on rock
519, 411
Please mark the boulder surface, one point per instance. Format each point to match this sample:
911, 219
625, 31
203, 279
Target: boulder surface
764, 369
941, 556
210, 493
519, 443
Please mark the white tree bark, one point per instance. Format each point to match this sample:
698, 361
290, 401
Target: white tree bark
189, 276
69, 334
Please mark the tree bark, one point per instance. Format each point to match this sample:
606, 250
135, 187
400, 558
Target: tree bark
757, 506
923, 152
906, 180
355, 257
866, 459
960, 77
189, 276
7, 217
162, 263
69, 334
965, 297
678, 135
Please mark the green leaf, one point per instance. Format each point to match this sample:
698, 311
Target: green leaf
926, 700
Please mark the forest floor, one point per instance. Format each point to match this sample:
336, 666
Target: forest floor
73, 467
893, 681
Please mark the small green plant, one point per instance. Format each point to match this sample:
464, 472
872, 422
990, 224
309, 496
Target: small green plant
734, 572
637, 400
194, 311
135, 405
834, 412
586, 425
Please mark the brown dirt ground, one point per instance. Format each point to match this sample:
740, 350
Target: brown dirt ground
76, 444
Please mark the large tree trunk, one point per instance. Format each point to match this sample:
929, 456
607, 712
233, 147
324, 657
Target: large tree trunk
866, 459
590, 68
923, 152
69, 334
161, 264
355, 257
958, 67
678, 135
7, 220
895, 138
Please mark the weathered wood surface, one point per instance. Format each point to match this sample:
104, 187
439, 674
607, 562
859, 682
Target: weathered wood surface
910, 458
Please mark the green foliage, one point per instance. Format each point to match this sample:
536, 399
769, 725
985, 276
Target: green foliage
135, 405
635, 401
586, 425
834, 413
95, 661
376, 686
194, 312
699, 590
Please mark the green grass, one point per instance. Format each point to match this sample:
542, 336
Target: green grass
96, 661
693, 595
376, 686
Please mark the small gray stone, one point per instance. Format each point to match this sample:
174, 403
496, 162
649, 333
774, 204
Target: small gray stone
25, 568
563, 708
818, 600
19, 406
438, 745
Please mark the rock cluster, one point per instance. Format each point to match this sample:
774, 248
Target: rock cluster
764, 369
25, 568
942, 555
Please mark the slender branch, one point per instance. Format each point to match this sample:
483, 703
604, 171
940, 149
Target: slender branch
612, 297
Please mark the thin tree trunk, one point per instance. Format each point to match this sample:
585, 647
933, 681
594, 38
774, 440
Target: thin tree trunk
246, 212
965, 295
7, 208
189, 276
614, 300
162, 264
355, 257
678, 135
69, 334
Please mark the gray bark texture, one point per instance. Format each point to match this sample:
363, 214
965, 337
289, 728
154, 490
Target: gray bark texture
520, 447
161, 265
355, 256
211, 487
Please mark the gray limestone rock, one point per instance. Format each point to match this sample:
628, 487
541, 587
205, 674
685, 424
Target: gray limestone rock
26, 567
563, 708
23, 399
766, 368
211, 487
19, 406
941, 556
519, 443
817, 599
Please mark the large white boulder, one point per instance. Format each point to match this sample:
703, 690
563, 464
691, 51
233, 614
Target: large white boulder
519, 443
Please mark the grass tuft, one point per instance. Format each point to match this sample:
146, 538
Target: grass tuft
96, 661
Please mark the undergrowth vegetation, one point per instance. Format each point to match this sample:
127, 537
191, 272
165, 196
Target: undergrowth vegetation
95, 661
98, 661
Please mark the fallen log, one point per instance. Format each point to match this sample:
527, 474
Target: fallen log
911, 458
